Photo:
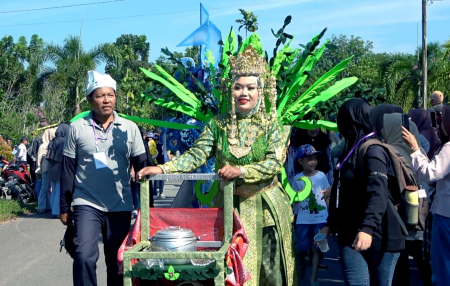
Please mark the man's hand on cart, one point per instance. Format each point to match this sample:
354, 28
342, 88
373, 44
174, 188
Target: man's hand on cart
151, 170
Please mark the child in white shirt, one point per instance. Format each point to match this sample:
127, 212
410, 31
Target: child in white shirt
312, 212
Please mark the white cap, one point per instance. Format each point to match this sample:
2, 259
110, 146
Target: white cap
96, 80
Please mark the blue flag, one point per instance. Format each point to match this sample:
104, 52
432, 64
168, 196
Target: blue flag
204, 14
207, 36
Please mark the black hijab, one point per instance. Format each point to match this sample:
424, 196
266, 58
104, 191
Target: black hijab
353, 122
377, 114
56, 146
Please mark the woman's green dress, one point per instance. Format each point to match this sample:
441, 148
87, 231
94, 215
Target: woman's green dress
259, 199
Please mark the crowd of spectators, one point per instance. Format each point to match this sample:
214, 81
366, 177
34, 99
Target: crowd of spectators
374, 246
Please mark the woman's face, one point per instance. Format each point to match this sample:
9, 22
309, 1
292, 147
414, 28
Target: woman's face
245, 93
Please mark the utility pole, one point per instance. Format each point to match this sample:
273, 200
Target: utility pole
424, 53
424, 50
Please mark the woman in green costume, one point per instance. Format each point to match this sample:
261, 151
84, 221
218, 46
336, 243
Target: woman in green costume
250, 146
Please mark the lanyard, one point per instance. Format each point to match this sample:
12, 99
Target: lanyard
95, 134
339, 165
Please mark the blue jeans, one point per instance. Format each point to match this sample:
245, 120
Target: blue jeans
367, 268
56, 190
158, 185
304, 237
44, 202
440, 249
37, 187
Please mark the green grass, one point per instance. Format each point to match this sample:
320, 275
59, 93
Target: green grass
12, 208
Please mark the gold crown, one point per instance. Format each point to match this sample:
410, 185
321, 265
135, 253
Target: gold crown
248, 63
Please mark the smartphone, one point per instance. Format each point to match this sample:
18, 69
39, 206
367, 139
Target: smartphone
433, 119
405, 121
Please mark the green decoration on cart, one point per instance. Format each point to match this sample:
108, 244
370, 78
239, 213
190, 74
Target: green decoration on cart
171, 275
206, 199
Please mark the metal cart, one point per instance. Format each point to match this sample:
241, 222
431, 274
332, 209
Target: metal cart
139, 251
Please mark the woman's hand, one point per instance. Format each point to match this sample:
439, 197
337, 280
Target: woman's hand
362, 241
410, 140
152, 170
229, 173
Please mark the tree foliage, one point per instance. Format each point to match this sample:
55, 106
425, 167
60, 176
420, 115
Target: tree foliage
39, 79
70, 63
249, 21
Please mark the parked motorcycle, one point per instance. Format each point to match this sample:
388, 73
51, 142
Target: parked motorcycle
16, 180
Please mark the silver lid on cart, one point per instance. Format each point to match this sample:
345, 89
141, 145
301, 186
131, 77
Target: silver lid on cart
174, 232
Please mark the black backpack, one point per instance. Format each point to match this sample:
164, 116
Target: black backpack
411, 216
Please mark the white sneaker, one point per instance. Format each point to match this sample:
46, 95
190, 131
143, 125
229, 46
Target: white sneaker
162, 196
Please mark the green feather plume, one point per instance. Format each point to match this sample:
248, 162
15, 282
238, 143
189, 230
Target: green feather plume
185, 96
311, 124
137, 119
179, 86
300, 76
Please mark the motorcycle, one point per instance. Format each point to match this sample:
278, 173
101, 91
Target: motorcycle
16, 180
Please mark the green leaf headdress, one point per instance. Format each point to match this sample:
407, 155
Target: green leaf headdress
282, 76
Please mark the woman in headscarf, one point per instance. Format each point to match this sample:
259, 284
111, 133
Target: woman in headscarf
377, 113
369, 235
42, 171
422, 119
249, 146
54, 157
392, 132
436, 171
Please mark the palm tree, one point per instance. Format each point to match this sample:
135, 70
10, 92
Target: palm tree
439, 69
401, 79
71, 64
249, 21
402, 75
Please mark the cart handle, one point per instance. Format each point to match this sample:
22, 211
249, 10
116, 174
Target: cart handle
185, 177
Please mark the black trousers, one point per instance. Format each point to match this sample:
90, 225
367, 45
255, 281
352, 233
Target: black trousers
89, 223
402, 274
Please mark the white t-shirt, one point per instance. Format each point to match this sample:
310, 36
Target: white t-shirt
21, 152
312, 210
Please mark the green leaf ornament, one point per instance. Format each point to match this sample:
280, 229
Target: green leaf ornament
170, 274
295, 196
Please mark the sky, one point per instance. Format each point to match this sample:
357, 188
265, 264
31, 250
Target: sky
390, 25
